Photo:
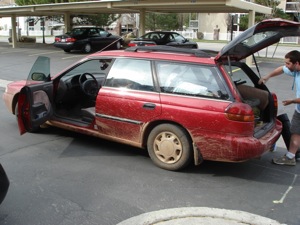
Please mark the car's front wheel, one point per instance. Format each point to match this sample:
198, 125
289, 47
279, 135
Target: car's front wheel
169, 147
16, 112
87, 48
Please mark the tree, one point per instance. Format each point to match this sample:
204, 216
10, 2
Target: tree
276, 13
155, 21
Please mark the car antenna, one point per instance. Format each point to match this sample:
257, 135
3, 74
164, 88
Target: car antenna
121, 37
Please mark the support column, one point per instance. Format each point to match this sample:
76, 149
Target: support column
142, 22
13, 31
67, 22
250, 24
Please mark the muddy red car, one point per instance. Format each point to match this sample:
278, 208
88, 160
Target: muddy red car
182, 105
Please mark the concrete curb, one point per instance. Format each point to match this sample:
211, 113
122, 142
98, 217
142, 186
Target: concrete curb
198, 215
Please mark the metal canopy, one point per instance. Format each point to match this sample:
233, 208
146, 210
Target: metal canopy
135, 6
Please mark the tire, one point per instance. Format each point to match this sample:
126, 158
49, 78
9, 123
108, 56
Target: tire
87, 48
16, 112
67, 50
170, 147
118, 45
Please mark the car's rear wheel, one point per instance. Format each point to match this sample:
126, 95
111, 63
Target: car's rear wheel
118, 45
169, 147
87, 48
67, 50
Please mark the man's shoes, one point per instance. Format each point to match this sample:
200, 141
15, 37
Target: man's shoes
285, 161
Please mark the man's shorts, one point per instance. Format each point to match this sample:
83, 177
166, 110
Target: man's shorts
295, 123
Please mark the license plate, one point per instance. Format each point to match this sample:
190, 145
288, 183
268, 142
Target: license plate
63, 40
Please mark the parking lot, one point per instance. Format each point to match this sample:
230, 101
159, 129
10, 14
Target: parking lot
60, 177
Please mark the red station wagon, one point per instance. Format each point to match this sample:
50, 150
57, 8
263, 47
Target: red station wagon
182, 105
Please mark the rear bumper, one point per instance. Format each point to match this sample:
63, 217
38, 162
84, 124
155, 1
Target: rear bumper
65, 45
4, 184
233, 148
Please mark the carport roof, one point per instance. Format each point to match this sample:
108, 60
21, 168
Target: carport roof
135, 6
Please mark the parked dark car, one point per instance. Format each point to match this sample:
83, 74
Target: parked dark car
88, 39
4, 183
183, 105
163, 38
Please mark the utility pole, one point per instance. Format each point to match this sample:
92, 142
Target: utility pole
43, 27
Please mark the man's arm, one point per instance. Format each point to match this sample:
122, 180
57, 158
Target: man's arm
274, 73
291, 101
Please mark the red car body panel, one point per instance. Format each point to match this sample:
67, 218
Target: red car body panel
129, 111
11, 94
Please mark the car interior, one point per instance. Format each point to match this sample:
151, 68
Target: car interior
246, 82
77, 91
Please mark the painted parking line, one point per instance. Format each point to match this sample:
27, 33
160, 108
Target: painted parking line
74, 56
17, 51
44, 53
4, 83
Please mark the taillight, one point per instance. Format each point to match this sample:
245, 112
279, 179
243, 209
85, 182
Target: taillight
132, 44
57, 39
275, 104
238, 111
70, 39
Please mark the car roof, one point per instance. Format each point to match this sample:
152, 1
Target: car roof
257, 37
161, 53
162, 32
84, 27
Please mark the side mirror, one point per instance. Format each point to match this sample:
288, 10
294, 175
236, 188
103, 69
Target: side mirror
38, 77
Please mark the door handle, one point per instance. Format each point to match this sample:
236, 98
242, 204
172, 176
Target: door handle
149, 106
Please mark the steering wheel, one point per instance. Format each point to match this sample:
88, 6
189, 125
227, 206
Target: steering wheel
88, 86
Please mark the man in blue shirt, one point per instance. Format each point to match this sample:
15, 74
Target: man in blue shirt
291, 68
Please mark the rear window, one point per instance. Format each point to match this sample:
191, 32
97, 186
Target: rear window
189, 79
78, 31
259, 37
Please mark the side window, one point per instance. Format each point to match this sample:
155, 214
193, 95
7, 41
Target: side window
178, 38
103, 33
132, 74
94, 67
93, 32
189, 79
171, 38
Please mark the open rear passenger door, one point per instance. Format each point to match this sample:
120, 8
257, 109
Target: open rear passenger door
34, 103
